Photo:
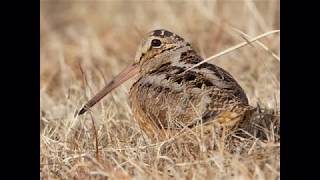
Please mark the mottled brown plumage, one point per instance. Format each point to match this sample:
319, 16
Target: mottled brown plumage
167, 97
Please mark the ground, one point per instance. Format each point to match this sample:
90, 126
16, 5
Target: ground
85, 43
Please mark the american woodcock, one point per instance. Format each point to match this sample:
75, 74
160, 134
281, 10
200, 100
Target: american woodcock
167, 97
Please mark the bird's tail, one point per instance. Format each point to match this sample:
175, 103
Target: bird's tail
262, 122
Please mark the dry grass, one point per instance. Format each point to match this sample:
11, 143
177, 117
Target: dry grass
85, 43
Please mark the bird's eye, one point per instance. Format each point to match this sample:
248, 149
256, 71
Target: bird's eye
155, 43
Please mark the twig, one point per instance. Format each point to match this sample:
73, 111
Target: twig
96, 137
245, 36
234, 48
84, 77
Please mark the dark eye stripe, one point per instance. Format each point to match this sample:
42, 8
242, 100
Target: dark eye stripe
141, 56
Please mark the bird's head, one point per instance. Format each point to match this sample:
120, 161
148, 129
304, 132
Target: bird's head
154, 50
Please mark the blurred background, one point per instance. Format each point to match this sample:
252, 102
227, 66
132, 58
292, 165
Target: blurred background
102, 37
84, 44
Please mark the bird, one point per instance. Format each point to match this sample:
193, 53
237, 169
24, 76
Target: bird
170, 95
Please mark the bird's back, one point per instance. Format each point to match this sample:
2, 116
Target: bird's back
172, 98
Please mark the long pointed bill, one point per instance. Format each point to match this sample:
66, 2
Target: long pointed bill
126, 74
